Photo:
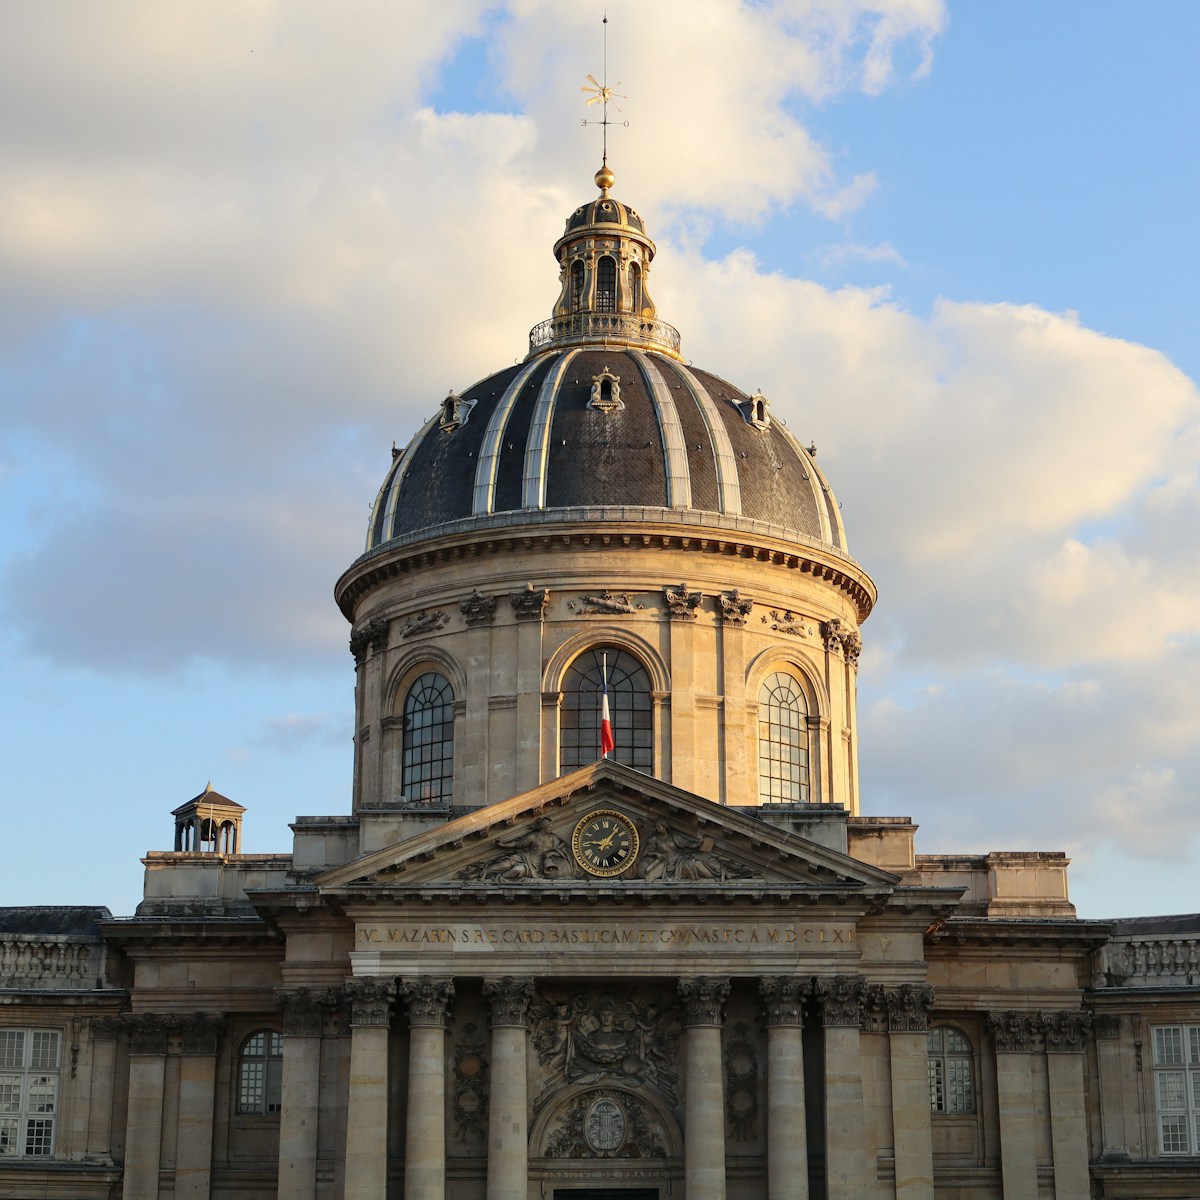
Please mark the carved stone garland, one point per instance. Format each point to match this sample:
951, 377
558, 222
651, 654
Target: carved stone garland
469, 1095
741, 1083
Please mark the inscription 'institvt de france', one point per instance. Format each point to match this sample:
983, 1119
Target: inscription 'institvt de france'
480, 937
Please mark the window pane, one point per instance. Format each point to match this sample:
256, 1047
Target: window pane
45, 1051
39, 1136
1168, 1047
12, 1048
10, 1093
427, 768
8, 1138
1174, 1134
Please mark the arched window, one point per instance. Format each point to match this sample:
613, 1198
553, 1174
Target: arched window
260, 1073
782, 741
606, 284
951, 1086
576, 285
635, 288
428, 753
629, 706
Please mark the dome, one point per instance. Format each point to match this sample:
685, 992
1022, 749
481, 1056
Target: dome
605, 419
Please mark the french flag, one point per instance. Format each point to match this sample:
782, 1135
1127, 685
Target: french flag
606, 735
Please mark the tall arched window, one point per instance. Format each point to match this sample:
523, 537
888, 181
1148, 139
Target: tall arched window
606, 284
635, 288
782, 741
629, 705
260, 1073
428, 754
951, 1086
576, 285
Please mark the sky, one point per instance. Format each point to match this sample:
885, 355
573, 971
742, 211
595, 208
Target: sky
245, 247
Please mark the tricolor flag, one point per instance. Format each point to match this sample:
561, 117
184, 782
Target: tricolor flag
606, 736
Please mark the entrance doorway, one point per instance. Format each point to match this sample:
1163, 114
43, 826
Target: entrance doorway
606, 1194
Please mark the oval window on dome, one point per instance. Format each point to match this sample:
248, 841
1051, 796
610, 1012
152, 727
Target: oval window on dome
630, 707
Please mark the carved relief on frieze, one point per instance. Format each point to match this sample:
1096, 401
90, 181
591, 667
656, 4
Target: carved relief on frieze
703, 999
478, 609
606, 603
842, 999
469, 1092
423, 622
428, 1000
594, 1034
370, 1000
534, 854
606, 1123
372, 635
838, 636
1067, 1030
735, 607
671, 856
682, 602
741, 1083
531, 604
788, 622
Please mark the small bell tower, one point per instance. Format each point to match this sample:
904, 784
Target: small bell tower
209, 824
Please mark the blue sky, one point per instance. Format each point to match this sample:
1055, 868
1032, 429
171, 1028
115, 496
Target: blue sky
242, 250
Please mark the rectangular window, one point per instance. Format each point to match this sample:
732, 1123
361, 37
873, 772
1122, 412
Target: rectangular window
29, 1076
1177, 1087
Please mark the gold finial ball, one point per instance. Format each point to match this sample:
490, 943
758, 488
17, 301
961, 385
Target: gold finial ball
605, 178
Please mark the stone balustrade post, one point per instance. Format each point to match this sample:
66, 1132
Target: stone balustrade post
787, 1134
425, 1133
367, 1103
704, 1100
508, 1133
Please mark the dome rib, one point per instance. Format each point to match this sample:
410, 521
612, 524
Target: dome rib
533, 483
728, 486
670, 428
484, 496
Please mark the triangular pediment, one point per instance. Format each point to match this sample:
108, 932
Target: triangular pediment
606, 826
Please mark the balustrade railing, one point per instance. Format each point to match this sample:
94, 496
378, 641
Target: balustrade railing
1151, 961
598, 326
47, 962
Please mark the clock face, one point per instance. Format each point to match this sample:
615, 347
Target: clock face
605, 842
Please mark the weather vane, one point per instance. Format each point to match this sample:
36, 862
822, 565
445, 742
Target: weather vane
601, 93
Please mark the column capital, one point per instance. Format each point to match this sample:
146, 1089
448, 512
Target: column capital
703, 999
106, 1029
509, 1000
1066, 1031
908, 1007
428, 998
370, 1000
783, 999
1107, 1025
200, 1033
842, 998
1015, 1031
304, 1010
148, 1032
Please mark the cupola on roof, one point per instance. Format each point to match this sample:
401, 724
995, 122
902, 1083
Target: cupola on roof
604, 419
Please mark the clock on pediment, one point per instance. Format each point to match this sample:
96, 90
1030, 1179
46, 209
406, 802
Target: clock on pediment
605, 843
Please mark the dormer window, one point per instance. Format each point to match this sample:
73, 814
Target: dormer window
606, 392
606, 284
756, 411
455, 411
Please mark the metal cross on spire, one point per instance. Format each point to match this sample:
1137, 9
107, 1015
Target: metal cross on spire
601, 93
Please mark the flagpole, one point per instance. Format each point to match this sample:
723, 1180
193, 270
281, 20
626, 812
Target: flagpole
606, 737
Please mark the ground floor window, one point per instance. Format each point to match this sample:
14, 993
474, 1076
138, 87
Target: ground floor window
951, 1089
1177, 1087
29, 1072
260, 1073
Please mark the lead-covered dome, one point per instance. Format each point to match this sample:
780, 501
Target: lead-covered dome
603, 419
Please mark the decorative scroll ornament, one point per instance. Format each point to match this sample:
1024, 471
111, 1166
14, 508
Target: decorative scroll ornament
908, 1008
606, 1123
1067, 1030
606, 392
741, 1083
478, 609
510, 1000
1015, 1031
606, 604
370, 1001
304, 1011
455, 412
788, 622
201, 1033
531, 604
670, 856
428, 1000
682, 602
783, 1000
469, 1096
423, 622
703, 999
369, 637
838, 636
842, 999
533, 855
594, 1034
735, 608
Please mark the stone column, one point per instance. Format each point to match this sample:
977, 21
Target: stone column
425, 1133
508, 1132
303, 1020
704, 1095
367, 1102
104, 1032
908, 1042
787, 1137
685, 732
143, 1128
197, 1095
845, 1114
1015, 1035
1066, 1039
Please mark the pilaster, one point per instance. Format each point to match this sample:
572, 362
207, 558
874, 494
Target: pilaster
841, 998
908, 1010
704, 1102
425, 1133
200, 1040
367, 1107
1015, 1036
303, 1023
508, 1132
787, 1136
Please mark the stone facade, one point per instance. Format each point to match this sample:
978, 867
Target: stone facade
509, 975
